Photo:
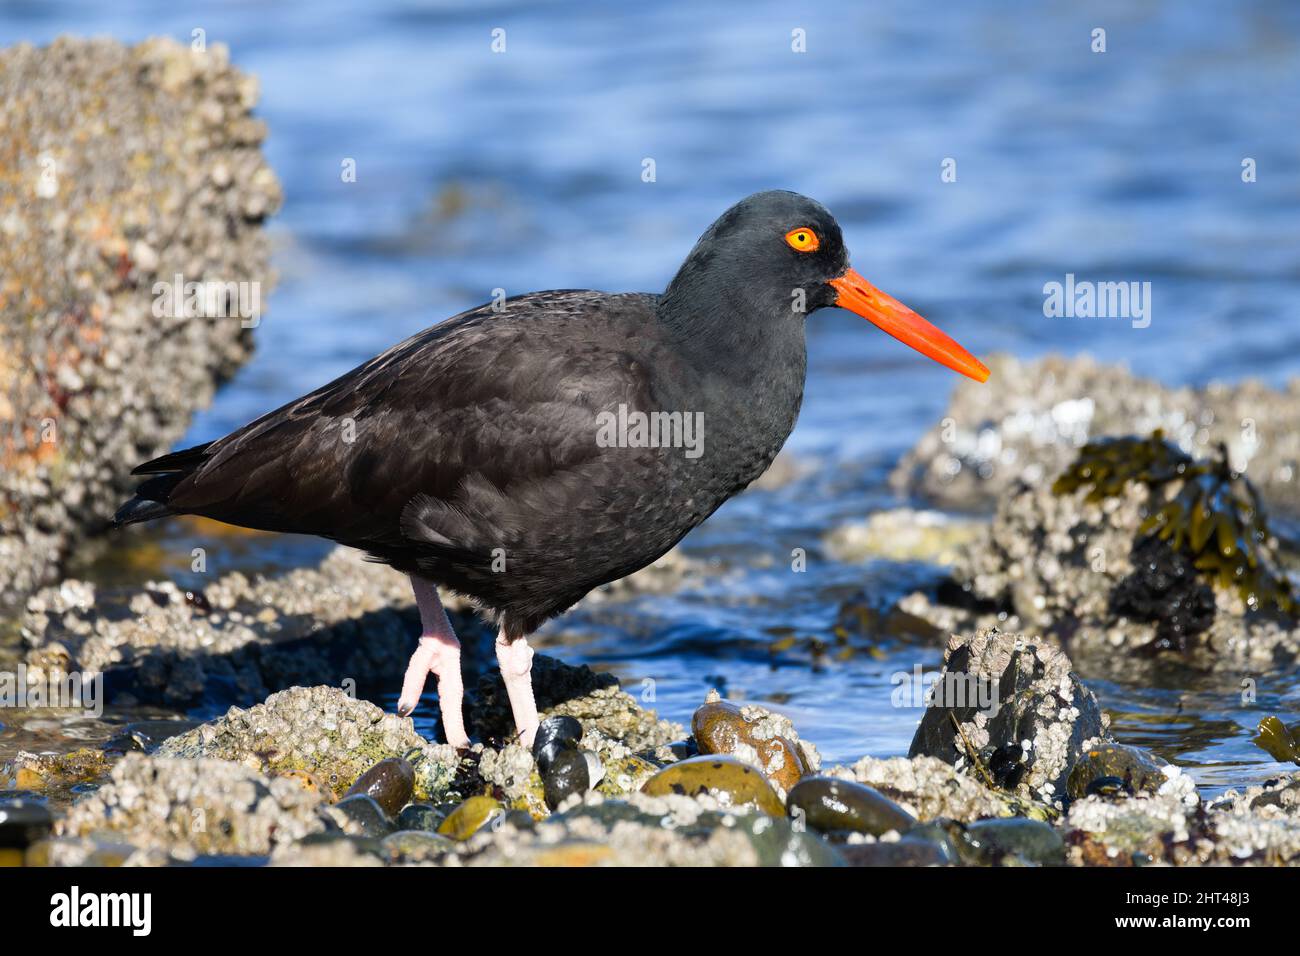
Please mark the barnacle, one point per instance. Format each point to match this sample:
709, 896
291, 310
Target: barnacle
1203, 509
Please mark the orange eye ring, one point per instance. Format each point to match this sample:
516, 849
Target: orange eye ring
802, 239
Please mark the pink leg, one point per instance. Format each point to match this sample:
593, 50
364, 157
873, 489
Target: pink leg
516, 661
438, 654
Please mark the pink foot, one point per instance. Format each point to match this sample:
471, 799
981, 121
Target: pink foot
516, 661
438, 654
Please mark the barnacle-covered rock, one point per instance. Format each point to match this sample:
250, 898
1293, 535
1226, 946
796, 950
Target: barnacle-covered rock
998, 691
1204, 510
120, 167
323, 731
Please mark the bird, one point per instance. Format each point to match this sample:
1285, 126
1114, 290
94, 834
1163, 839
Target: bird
529, 450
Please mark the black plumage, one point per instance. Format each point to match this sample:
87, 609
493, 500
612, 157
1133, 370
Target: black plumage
468, 453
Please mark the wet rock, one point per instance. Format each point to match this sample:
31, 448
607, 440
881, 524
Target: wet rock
999, 690
829, 805
567, 775
554, 735
331, 850
192, 807
727, 779
626, 775
360, 815
928, 788
644, 830
23, 821
307, 626
420, 816
88, 229
754, 736
96, 851
415, 846
463, 822
906, 851
391, 782
1108, 769
1165, 590
323, 731
60, 771
1030, 427
1033, 841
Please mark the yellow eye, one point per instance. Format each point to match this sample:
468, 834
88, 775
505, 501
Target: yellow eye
802, 239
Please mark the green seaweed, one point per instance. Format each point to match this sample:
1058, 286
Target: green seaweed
1203, 509
1281, 742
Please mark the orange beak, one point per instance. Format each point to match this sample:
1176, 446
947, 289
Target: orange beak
858, 295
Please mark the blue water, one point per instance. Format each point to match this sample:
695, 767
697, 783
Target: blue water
523, 170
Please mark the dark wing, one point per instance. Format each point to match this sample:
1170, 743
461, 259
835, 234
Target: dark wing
427, 442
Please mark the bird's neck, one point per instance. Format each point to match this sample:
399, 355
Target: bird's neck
732, 334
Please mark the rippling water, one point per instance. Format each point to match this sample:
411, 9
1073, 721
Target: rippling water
523, 171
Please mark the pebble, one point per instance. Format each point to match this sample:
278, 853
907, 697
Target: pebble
829, 804
463, 822
415, 846
1031, 840
566, 774
720, 727
390, 783
727, 777
360, 815
420, 816
1136, 770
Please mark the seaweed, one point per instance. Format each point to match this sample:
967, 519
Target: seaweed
1203, 509
1281, 742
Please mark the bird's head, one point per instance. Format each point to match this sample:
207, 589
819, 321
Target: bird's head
779, 255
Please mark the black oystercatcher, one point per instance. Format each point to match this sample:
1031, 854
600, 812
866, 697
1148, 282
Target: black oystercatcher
526, 453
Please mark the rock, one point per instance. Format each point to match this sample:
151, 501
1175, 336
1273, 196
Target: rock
626, 775
463, 822
566, 776
415, 846
1005, 690
1033, 841
420, 816
105, 191
829, 805
903, 534
928, 788
23, 821
325, 732
360, 815
554, 735
60, 771
906, 851
191, 807
726, 778
307, 626
752, 735
391, 782
331, 850
1135, 770
1029, 428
